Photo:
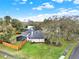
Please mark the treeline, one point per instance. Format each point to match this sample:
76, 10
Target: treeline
8, 26
66, 28
55, 29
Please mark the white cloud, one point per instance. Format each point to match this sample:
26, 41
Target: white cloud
31, 2
38, 18
20, 1
68, 0
61, 12
74, 12
59, 1
23, 2
44, 5
64, 9
76, 1
69, 11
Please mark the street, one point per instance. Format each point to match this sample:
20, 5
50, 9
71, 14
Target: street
75, 53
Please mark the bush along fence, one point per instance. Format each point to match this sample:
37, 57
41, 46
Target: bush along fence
16, 47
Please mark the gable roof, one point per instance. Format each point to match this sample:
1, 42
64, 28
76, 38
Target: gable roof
33, 34
36, 35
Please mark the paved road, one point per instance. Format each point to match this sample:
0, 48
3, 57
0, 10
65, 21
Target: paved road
75, 53
7, 55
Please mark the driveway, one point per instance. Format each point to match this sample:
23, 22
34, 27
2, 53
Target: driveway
75, 53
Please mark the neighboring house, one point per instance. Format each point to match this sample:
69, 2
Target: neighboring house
32, 36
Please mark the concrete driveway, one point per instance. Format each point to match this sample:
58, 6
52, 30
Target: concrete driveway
75, 53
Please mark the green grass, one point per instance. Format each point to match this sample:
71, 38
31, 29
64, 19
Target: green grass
70, 51
40, 50
43, 51
1, 57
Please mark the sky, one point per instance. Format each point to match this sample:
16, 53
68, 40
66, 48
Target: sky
38, 10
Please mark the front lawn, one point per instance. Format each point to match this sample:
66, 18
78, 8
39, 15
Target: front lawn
39, 50
43, 51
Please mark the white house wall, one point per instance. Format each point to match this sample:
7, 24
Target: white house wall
36, 40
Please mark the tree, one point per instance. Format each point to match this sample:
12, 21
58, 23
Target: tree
17, 24
7, 19
1, 21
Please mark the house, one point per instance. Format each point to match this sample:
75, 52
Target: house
32, 35
35, 36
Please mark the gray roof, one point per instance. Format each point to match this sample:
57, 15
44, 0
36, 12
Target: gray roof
36, 35
33, 34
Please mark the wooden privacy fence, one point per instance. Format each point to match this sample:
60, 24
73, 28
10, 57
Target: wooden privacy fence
1, 41
21, 44
17, 47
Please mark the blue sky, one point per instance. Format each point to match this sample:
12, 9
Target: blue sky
37, 10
